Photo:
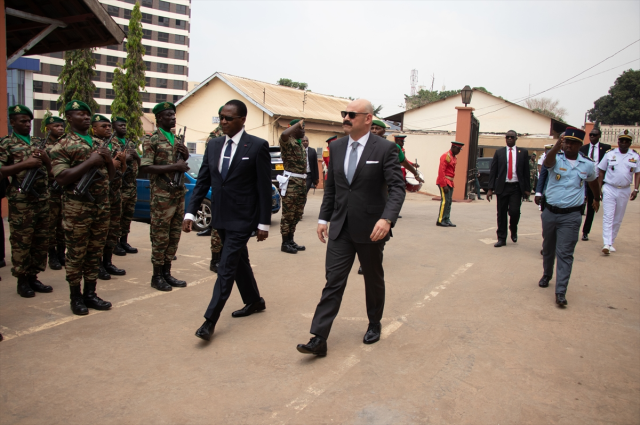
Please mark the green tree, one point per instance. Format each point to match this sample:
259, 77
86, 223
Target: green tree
43, 125
77, 72
377, 110
290, 83
622, 104
424, 97
128, 79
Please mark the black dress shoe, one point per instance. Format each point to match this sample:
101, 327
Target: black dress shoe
585, 237
360, 270
544, 281
316, 346
205, 232
560, 299
38, 286
514, 237
373, 334
206, 330
249, 309
450, 224
500, 243
443, 224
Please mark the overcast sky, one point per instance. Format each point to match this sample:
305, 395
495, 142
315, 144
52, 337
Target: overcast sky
367, 49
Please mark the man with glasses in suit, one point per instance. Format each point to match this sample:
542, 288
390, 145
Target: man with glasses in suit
595, 151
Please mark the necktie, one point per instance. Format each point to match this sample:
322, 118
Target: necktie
353, 161
225, 160
510, 172
592, 149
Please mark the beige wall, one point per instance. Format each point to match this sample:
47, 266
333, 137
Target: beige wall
443, 116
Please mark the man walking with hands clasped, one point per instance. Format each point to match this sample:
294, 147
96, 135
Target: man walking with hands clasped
361, 211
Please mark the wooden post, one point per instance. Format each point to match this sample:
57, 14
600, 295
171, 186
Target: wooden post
463, 135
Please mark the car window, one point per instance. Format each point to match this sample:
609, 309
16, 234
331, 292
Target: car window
195, 162
275, 154
484, 164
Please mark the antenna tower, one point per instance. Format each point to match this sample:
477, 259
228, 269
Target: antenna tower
414, 81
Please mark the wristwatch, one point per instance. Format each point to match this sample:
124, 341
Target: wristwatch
636, 190
388, 221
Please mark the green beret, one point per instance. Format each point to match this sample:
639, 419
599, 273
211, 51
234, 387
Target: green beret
99, 118
53, 120
379, 123
20, 110
457, 143
294, 122
77, 105
220, 110
163, 106
116, 119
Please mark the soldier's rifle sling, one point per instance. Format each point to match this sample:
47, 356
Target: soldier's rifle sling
176, 182
90, 177
33, 174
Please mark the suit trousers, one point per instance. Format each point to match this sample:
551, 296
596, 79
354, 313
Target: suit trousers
309, 183
341, 254
559, 238
446, 198
234, 266
588, 220
508, 204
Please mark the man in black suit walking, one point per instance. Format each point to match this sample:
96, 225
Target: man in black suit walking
595, 151
237, 167
363, 196
509, 178
312, 165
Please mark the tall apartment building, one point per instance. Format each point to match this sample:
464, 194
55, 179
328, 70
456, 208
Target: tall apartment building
166, 27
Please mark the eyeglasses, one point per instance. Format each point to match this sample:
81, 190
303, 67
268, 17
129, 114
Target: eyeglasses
352, 115
226, 118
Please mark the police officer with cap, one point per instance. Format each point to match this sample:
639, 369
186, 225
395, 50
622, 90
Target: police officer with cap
568, 172
621, 166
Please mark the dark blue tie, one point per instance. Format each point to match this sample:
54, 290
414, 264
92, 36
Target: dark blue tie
225, 159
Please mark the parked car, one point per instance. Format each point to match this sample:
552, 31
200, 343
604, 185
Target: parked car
203, 217
277, 167
484, 165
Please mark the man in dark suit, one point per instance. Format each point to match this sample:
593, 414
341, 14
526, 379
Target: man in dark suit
595, 151
509, 179
363, 195
312, 165
237, 167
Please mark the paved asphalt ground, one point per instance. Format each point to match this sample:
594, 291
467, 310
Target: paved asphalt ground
468, 336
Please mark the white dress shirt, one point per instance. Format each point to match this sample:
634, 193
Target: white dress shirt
234, 146
595, 149
514, 176
308, 168
361, 144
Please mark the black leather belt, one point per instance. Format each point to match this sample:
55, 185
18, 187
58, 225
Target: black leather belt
557, 210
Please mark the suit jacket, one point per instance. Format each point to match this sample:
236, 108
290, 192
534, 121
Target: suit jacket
602, 149
498, 172
377, 190
242, 200
313, 164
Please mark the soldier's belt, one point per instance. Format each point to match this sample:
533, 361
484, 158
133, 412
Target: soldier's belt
164, 183
557, 210
619, 187
99, 199
290, 174
449, 177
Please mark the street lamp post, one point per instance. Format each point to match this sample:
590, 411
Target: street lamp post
466, 94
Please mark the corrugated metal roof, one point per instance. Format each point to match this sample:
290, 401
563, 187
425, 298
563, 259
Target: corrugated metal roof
281, 100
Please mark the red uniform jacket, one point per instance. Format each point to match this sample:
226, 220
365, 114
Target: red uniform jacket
446, 170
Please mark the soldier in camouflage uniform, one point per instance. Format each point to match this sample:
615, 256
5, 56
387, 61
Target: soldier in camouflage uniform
129, 191
293, 184
533, 173
216, 242
101, 129
85, 219
167, 203
28, 212
55, 128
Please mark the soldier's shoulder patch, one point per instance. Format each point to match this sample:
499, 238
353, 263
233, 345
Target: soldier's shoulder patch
635, 151
448, 158
609, 150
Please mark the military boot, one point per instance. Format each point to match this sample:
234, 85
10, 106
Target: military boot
91, 299
61, 254
24, 290
215, 261
77, 303
38, 286
54, 262
157, 280
108, 265
119, 251
295, 245
166, 273
286, 246
102, 273
125, 245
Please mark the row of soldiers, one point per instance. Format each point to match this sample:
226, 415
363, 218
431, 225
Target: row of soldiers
53, 215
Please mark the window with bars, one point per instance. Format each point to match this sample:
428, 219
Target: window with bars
162, 67
54, 88
180, 39
111, 94
146, 34
181, 9
112, 60
178, 84
114, 47
147, 65
125, 28
59, 55
96, 93
55, 70
164, 5
53, 105
127, 14
181, 24
97, 57
163, 53
109, 77
147, 18
163, 36
176, 97
147, 3
160, 97
179, 54
147, 50
96, 77
113, 11
37, 86
178, 69
162, 21
107, 109
145, 97
38, 104
161, 82
147, 81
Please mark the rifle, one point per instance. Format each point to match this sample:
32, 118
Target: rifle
178, 176
90, 177
33, 174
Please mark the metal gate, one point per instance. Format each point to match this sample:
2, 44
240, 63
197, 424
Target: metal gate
472, 165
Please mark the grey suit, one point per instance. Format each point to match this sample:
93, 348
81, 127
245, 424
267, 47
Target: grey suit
376, 192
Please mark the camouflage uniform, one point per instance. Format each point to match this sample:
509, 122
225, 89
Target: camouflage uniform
28, 214
216, 242
85, 223
115, 199
294, 159
533, 174
167, 206
129, 192
56, 232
